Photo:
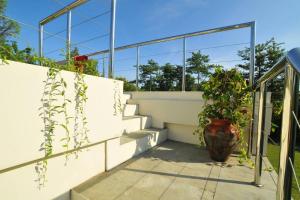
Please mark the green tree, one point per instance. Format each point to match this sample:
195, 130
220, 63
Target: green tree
11, 51
128, 86
198, 64
148, 75
266, 55
189, 80
74, 52
167, 78
8, 28
91, 68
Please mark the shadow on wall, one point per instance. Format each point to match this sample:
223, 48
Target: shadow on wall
146, 142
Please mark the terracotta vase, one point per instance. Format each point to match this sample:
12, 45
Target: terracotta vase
221, 137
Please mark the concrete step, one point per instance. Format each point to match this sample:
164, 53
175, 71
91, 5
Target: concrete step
135, 123
130, 110
125, 97
132, 144
118, 151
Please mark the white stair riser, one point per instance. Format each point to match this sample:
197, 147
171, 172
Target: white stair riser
125, 98
118, 154
131, 110
136, 124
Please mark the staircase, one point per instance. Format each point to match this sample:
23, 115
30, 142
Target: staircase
138, 136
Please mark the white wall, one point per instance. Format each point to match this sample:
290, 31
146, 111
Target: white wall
177, 111
21, 87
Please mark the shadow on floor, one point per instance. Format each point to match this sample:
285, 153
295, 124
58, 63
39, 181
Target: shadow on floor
189, 177
179, 152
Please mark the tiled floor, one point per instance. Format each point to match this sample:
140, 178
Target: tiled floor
175, 171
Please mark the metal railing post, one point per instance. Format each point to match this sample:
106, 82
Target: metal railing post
284, 172
183, 65
259, 144
292, 142
112, 39
137, 66
68, 47
251, 82
252, 53
103, 63
41, 40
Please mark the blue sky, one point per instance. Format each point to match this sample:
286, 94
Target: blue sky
140, 20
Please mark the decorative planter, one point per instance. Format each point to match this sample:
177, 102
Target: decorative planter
221, 138
79, 62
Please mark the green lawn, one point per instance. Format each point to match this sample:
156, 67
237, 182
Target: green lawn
273, 156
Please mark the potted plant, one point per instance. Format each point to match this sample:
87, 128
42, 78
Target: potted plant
224, 115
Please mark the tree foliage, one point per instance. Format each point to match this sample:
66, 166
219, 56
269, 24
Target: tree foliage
189, 80
8, 28
148, 74
11, 51
266, 55
128, 86
198, 64
168, 77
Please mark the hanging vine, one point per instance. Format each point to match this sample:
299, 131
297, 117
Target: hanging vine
117, 99
80, 127
54, 104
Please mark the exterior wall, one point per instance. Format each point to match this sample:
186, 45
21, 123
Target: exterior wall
177, 111
118, 153
21, 87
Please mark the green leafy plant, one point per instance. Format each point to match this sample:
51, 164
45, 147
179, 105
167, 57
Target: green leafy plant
117, 99
54, 102
80, 126
54, 105
227, 97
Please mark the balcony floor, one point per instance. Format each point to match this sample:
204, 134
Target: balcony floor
176, 170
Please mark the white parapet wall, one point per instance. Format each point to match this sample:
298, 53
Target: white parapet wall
177, 111
22, 87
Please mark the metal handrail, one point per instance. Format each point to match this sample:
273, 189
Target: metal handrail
290, 65
176, 37
292, 57
185, 36
62, 11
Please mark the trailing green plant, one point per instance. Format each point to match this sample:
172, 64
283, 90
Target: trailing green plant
54, 102
54, 105
227, 96
80, 126
117, 99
